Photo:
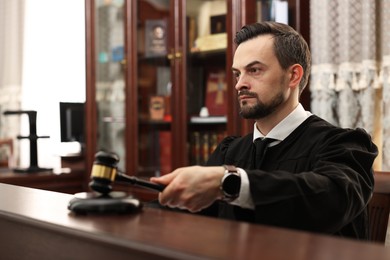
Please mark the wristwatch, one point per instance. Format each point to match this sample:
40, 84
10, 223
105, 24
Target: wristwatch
230, 183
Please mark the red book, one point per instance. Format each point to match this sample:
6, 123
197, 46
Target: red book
216, 93
165, 140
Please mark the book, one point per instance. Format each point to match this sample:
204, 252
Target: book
195, 148
216, 93
205, 149
165, 141
213, 142
157, 107
156, 35
202, 145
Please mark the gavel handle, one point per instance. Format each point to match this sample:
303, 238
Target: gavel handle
138, 182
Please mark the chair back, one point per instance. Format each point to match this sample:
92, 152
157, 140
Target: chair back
379, 210
379, 207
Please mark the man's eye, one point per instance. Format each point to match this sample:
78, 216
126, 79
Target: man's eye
254, 70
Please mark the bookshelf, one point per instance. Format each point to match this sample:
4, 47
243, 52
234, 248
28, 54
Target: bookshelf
175, 64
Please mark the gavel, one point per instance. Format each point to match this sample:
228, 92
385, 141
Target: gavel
105, 171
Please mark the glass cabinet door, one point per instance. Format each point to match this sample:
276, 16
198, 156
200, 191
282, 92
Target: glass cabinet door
110, 84
206, 77
182, 88
154, 31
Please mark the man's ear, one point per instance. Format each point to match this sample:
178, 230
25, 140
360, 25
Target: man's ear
296, 74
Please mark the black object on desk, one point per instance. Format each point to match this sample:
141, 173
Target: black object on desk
95, 203
33, 137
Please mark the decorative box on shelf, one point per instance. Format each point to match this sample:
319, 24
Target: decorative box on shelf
211, 42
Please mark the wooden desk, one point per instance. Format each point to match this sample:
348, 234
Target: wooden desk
36, 224
65, 182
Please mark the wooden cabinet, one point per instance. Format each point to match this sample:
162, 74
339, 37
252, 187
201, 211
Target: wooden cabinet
65, 182
150, 70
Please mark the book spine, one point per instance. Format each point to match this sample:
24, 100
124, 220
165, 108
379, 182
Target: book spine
205, 147
165, 141
203, 144
195, 148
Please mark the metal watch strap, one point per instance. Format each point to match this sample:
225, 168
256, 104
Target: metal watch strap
230, 169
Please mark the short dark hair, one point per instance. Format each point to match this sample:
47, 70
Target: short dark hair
290, 47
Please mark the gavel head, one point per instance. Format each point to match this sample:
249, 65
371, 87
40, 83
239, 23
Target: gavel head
104, 171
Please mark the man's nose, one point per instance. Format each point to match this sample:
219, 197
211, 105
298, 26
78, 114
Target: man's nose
241, 83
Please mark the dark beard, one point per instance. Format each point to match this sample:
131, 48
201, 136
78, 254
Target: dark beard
260, 110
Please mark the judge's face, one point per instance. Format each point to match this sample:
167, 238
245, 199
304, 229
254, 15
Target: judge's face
260, 80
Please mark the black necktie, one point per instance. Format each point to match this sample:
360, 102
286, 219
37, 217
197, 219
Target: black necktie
261, 145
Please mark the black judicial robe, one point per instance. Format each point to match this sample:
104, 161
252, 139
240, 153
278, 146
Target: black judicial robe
318, 179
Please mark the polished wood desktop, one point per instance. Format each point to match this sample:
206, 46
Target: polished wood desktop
36, 224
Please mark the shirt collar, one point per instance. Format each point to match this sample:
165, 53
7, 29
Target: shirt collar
286, 126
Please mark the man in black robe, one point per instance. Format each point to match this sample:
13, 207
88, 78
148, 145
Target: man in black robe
311, 175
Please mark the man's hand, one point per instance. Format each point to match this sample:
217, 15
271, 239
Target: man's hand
193, 188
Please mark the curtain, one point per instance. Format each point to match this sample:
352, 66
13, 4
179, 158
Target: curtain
351, 59
11, 50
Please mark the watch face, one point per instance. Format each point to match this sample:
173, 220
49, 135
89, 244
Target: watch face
231, 185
